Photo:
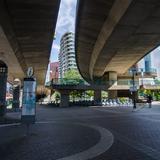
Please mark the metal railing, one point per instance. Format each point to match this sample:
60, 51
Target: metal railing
65, 81
140, 70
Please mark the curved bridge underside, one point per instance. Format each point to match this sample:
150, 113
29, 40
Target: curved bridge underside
26, 35
112, 35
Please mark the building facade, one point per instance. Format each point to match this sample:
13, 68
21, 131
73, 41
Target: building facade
67, 54
54, 70
147, 63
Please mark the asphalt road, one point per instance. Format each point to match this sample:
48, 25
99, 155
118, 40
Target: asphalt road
83, 133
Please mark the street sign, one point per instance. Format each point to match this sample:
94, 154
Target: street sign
29, 101
133, 88
30, 72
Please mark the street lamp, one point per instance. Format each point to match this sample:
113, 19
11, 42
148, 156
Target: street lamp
134, 88
142, 74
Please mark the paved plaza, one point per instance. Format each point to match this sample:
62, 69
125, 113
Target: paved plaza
84, 133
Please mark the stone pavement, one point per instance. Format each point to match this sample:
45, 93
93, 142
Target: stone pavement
83, 133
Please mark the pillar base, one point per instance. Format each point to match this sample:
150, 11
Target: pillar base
112, 94
97, 97
2, 110
64, 99
16, 94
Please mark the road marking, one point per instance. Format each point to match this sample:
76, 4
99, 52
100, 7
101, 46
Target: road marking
105, 142
102, 146
9, 125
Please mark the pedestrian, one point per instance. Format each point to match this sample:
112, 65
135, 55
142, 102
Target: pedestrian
149, 100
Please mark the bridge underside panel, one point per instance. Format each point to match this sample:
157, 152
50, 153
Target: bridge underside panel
90, 18
29, 26
135, 34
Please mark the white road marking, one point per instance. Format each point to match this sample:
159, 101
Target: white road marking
105, 142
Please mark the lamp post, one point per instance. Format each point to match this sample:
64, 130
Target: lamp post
16, 94
134, 89
142, 74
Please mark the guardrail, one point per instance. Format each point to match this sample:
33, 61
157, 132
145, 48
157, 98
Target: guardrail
63, 81
140, 70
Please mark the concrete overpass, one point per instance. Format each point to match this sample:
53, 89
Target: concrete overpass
26, 34
112, 35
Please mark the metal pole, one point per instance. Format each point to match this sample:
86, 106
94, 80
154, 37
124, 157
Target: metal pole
134, 92
142, 75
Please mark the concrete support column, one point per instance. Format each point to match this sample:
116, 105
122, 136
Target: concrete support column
113, 81
3, 85
64, 101
97, 97
111, 77
16, 96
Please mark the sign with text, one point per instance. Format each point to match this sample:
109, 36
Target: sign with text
133, 89
29, 100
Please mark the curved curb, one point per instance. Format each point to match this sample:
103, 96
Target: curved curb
105, 142
102, 146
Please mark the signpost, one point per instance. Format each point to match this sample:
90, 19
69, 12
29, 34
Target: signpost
29, 99
133, 88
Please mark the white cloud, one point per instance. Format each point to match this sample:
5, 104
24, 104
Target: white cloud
65, 23
56, 46
66, 18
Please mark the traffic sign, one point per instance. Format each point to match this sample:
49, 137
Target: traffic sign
133, 88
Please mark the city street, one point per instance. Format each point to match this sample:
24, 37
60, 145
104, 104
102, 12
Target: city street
81, 133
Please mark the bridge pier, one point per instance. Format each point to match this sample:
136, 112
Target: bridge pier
111, 78
16, 95
64, 100
97, 97
3, 84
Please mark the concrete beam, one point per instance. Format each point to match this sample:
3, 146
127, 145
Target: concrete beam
116, 13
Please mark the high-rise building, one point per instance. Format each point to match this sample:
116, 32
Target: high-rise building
67, 54
147, 63
54, 70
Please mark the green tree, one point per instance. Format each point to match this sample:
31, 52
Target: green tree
72, 74
56, 97
104, 94
90, 94
72, 77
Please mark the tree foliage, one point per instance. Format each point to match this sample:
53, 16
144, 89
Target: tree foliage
72, 74
72, 77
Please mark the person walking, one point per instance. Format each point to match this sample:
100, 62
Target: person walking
149, 100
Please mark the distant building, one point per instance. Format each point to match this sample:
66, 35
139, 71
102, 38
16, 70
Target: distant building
67, 54
54, 70
147, 63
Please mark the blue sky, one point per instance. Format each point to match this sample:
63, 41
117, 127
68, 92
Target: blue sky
155, 60
65, 23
